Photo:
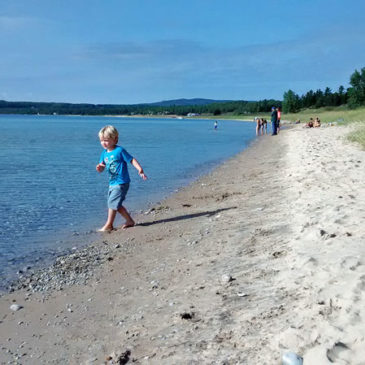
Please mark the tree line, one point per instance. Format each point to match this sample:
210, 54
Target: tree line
233, 107
353, 97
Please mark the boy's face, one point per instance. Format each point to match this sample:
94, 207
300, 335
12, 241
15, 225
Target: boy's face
108, 143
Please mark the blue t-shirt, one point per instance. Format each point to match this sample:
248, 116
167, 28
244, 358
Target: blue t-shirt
116, 164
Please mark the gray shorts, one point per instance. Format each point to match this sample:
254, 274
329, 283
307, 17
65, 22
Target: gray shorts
116, 195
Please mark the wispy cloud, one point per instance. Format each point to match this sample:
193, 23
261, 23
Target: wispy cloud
303, 59
12, 23
138, 50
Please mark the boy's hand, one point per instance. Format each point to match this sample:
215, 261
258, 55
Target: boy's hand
100, 167
142, 175
139, 168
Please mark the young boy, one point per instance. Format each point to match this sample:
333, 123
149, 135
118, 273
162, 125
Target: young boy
115, 158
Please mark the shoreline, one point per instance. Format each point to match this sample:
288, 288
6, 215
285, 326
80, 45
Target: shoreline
47, 275
261, 255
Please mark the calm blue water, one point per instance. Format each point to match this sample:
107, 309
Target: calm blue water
51, 197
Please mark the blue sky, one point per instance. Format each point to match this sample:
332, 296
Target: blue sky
120, 52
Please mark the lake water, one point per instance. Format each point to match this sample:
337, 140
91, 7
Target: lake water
52, 198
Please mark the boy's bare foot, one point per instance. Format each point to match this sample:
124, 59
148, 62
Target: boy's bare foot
105, 229
128, 224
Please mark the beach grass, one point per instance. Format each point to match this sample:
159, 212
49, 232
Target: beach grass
358, 135
339, 115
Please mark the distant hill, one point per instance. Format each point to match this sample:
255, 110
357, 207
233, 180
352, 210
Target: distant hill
185, 102
165, 107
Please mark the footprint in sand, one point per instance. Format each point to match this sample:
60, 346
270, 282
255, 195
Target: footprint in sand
361, 284
337, 351
311, 263
350, 263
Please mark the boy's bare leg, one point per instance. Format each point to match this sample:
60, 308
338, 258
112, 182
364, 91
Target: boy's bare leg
129, 222
108, 226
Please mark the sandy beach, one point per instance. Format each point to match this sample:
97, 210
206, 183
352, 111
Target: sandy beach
263, 255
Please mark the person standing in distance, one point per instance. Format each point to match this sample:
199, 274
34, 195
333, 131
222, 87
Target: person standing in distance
278, 121
274, 120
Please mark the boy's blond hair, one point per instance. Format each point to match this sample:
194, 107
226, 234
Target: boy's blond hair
109, 132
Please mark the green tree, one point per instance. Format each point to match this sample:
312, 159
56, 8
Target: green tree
356, 93
309, 99
291, 102
319, 99
328, 97
342, 95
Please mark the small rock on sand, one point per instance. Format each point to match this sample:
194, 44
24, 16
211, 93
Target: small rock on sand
226, 278
15, 307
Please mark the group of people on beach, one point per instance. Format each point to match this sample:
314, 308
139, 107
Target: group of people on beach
313, 123
261, 124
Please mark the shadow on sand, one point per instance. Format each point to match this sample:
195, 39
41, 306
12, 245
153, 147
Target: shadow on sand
187, 216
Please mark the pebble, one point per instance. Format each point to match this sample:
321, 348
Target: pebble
154, 284
226, 278
75, 268
15, 307
291, 358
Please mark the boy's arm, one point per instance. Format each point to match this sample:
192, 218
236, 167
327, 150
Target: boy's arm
139, 168
101, 165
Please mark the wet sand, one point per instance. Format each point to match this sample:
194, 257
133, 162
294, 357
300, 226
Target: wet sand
263, 255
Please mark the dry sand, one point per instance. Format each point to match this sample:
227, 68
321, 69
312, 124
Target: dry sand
263, 255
